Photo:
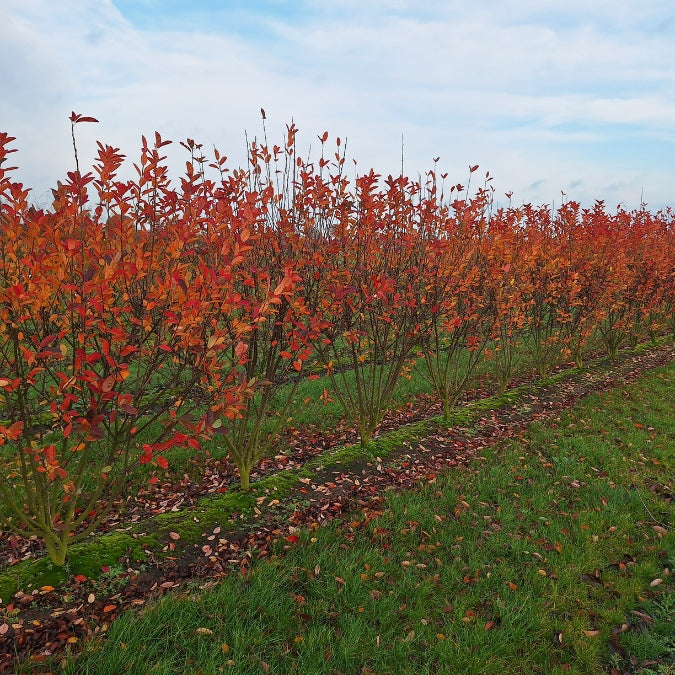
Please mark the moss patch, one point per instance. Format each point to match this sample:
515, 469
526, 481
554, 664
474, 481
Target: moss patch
87, 558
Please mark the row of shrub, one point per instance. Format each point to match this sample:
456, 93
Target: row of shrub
137, 315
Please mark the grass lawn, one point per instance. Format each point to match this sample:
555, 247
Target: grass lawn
548, 554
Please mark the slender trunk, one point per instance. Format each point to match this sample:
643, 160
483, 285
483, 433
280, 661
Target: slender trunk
244, 477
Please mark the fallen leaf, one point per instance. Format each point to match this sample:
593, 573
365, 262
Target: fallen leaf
656, 582
174, 535
591, 633
203, 631
642, 615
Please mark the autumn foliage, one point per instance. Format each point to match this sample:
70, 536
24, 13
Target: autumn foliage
137, 315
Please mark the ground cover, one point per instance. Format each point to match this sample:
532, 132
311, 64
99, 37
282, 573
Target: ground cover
325, 492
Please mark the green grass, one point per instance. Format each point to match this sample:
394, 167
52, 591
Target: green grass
498, 567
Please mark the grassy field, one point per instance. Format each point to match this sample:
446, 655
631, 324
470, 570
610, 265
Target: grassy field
548, 554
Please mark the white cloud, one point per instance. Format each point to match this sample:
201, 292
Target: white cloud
526, 89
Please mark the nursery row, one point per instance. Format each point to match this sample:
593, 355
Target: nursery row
138, 315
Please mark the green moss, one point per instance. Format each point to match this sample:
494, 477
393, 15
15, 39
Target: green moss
85, 558
29, 575
280, 483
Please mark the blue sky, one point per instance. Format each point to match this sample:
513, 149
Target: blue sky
571, 96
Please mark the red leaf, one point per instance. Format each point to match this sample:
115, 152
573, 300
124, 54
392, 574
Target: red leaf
75, 118
14, 431
162, 462
292, 538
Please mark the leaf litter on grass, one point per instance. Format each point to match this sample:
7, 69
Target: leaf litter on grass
65, 615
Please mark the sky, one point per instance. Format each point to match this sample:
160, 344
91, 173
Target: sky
573, 96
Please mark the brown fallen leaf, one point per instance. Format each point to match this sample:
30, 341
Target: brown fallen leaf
643, 616
593, 579
203, 631
591, 633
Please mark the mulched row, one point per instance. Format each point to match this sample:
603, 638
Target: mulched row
37, 626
